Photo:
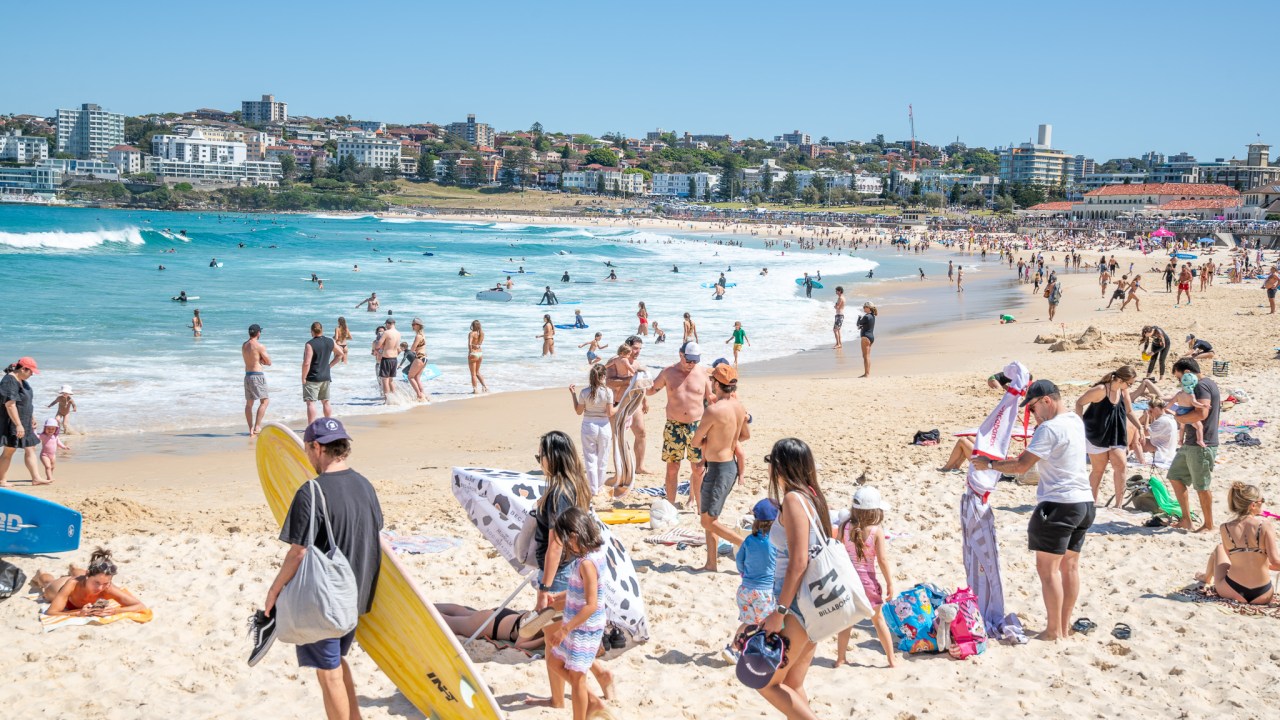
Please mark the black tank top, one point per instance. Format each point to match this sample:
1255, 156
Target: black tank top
321, 354
1105, 423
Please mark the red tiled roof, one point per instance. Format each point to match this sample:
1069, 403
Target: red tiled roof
123, 148
1201, 204
1052, 206
1165, 189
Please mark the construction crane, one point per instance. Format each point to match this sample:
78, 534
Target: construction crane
911, 116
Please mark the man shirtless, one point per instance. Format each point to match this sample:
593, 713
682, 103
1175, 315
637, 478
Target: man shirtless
1122, 287
1270, 284
617, 381
839, 318
1184, 284
687, 387
372, 302
1104, 279
388, 357
255, 383
723, 426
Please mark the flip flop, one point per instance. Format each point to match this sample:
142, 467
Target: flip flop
1084, 626
530, 628
1121, 631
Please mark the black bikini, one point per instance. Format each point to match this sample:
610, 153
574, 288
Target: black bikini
1249, 594
505, 613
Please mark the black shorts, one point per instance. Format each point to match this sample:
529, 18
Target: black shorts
1058, 527
1117, 295
1271, 292
716, 485
839, 321
387, 367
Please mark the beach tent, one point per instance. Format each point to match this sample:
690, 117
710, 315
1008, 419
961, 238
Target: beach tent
977, 521
498, 502
1161, 233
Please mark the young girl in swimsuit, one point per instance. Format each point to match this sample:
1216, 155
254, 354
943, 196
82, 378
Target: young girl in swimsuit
643, 316
342, 336
85, 592
548, 336
690, 330
475, 339
863, 539
1240, 567
574, 642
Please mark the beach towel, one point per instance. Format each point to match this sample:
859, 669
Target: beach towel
420, 544
1235, 427
52, 622
679, 535
681, 489
1198, 592
995, 433
623, 456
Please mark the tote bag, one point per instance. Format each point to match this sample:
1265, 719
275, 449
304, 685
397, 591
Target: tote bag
831, 596
319, 603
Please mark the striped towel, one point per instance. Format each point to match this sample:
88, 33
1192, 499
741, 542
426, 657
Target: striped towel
677, 535
419, 544
682, 489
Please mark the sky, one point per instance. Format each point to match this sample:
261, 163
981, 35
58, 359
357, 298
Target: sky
1115, 79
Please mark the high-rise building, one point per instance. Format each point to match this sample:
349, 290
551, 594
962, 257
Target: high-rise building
15, 147
1036, 163
1081, 166
795, 137
264, 112
478, 134
89, 132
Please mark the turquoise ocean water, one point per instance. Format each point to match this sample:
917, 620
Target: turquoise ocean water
84, 296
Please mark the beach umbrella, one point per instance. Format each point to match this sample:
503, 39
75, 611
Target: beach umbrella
1161, 233
498, 502
1205, 241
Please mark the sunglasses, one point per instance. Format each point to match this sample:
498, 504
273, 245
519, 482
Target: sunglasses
537, 457
768, 459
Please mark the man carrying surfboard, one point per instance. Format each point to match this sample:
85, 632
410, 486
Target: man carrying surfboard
355, 517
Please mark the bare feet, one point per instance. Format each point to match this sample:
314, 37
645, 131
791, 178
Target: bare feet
1206, 579
1048, 637
1205, 529
836, 347
862, 375
643, 471
1183, 524
41, 482
709, 567
605, 678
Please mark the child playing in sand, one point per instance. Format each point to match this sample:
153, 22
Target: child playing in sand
863, 538
66, 405
592, 346
573, 643
1184, 401
757, 558
50, 443
86, 592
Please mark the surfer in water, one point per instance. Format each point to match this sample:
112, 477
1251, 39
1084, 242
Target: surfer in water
462, 272
213, 262
565, 277
548, 297
675, 268
182, 296
612, 275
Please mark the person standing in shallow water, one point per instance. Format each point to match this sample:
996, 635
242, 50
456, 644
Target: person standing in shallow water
837, 328
475, 354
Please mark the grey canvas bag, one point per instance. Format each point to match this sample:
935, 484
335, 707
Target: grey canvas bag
319, 603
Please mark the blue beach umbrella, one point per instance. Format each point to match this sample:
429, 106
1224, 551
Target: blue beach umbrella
1205, 241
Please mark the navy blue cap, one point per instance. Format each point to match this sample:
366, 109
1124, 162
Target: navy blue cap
324, 431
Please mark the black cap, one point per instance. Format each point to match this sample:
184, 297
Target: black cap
255, 329
1039, 389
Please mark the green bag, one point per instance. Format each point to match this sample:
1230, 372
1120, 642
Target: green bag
1166, 502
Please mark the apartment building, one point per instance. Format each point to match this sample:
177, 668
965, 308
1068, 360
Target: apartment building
89, 132
41, 181
371, 150
264, 112
478, 134
198, 149
678, 184
219, 173
127, 158
615, 181
1037, 163
21, 149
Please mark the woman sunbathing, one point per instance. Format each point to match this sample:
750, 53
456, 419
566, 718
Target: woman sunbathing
502, 626
1240, 567
86, 592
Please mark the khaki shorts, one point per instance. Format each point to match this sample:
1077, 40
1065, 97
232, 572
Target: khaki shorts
255, 386
1193, 465
315, 391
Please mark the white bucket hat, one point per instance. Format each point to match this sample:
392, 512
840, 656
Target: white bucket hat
868, 498
65, 390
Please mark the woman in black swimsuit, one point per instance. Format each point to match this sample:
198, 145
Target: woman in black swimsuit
1240, 568
1155, 342
867, 334
1107, 409
502, 625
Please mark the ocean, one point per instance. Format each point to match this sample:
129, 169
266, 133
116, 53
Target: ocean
85, 298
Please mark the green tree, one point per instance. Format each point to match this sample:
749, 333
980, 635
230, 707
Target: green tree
288, 166
729, 183
953, 197
1004, 203
819, 183
536, 128
602, 156
915, 189
426, 167
766, 181
600, 183
973, 199
810, 195
693, 188
933, 200
451, 170
789, 186
317, 167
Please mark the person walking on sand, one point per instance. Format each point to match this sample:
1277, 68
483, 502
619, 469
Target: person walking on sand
738, 338
723, 426
197, 325
1121, 286
548, 336
690, 330
17, 424
372, 303
1104, 279
475, 355
1270, 284
1054, 296
837, 328
1134, 287
1064, 509
255, 382
1193, 463
319, 355
688, 390
344, 500
388, 351
642, 315
959, 278
1184, 285
867, 334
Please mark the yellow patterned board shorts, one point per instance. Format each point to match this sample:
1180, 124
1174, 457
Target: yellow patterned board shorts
675, 442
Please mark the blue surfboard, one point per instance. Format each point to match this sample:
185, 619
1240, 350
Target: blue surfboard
430, 372
570, 326
31, 525
711, 285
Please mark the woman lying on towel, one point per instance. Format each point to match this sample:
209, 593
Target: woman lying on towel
86, 592
1240, 567
501, 626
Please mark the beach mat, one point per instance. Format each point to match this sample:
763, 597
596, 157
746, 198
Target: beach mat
420, 544
678, 535
681, 489
1198, 592
52, 622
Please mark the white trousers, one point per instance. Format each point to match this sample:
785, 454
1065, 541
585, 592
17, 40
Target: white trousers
597, 438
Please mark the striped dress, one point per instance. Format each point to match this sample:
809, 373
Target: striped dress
579, 647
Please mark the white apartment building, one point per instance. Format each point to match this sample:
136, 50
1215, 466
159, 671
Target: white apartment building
371, 150
677, 184
92, 169
14, 147
198, 149
614, 181
40, 180
244, 173
264, 112
89, 132
868, 184
127, 158
833, 179
372, 126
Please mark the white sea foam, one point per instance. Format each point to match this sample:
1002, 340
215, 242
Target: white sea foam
71, 241
326, 216
508, 226
406, 221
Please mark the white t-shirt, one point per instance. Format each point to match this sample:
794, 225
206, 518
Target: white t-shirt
597, 403
1164, 435
1063, 464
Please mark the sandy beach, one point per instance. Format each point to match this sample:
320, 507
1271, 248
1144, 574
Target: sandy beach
195, 540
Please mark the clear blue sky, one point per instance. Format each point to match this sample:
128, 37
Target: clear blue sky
1113, 78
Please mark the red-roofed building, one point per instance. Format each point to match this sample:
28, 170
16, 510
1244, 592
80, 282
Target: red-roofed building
126, 157
1049, 209
1156, 199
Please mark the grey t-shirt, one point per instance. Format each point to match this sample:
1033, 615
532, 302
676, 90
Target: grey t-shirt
356, 518
1206, 389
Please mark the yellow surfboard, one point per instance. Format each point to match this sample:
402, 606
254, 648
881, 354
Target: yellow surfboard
403, 633
623, 516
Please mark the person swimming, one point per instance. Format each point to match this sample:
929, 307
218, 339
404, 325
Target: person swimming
565, 277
